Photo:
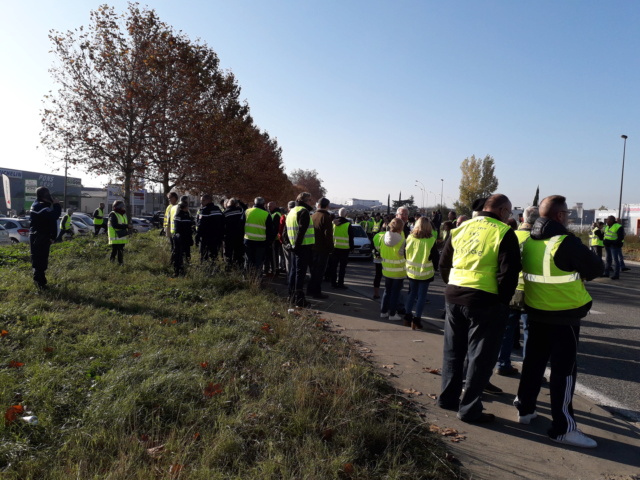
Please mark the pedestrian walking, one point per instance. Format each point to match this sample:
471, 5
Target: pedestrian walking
98, 220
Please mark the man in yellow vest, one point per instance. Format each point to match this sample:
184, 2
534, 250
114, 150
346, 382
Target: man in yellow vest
258, 233
300, 237
167, 221
613, 240
343, 243
596, 238
118, 231
555, 264
98, 220
480, 263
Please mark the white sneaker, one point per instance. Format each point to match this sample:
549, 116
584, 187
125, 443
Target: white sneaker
577, 439
384, 315
395, 317
526, 419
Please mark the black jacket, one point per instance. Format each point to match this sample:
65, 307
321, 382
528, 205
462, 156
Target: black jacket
183, 222
210, 224
572, 256
44, 219
509, 266
234, 224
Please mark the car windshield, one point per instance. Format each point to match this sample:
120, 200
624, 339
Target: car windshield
358, 231
24, 223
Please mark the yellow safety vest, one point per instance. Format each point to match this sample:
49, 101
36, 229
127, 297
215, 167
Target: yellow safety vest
523, 236
99, 221
475, 258
377, 241
419, 267
546, 287
167, 222
255, 227
341, 235
393, 264
293, 228
377, 225
611, 232
113, 237
595, 241
65, 222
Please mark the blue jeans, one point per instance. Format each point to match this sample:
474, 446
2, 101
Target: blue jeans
391, 295
473, 333
614, 255
513, 322
419, 289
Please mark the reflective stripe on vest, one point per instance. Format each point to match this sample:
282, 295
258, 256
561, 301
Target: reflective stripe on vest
595, 241
377, 225
546, 287
523, 236
113, 237
293, 228
419, 267
255, 227
172, 215
611, 232
475, 253
341, 235
393, 264
98, 221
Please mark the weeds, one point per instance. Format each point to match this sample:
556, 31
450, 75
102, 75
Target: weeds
133, 374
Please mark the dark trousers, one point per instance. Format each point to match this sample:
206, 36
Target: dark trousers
254, 252
273, 257
117, 250
209, 250
558, 344
473, 333
40, 246
338, 265
318, 266
300, 259
234, 252
377, 279
391, 295
180, 248
597, 249
97, 228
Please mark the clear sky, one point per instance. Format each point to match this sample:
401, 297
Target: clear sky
375, 95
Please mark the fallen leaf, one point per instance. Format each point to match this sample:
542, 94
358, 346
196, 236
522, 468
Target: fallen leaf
175, 468
327, 434
144, 437
435, 371
449, 432
174, 321
458, 438
12, 413
435, 429
196, 436
265, 327
348, 468
211, 390
387, 366
204, 364
155, 452
411, 391
4, 333
14, 364
286, 364
433, 396
276, 314
136, 354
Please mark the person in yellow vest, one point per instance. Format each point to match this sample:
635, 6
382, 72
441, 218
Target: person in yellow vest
258, 233
377, 223
422, 254
98, 220
516, 307
377, 261
118, 231
613, 240
596, 238
480, 264
273, 254
343, 243
167, 222
393, 269
555, 264
300, 238
66, 228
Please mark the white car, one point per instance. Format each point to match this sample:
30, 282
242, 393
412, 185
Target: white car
79, 228
18, 229
361, 242
140, 225
5, 239
84, 218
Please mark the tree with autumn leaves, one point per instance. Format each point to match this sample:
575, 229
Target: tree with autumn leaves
142, 103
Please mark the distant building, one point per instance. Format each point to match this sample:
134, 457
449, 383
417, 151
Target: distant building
630, 217
358, 202
23, 185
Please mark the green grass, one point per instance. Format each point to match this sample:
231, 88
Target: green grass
136, 375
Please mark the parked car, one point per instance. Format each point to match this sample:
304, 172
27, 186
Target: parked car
140, 225
84, 218
18, 229
79, 228
5, 239
362, 244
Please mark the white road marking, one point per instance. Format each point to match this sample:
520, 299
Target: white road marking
613, 285
595, 312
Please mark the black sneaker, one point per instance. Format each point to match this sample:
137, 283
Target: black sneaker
491, 388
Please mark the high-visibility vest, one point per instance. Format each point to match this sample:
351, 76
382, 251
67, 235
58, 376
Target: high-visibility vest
367, 225
167, 222
341, 236
595, 241
611, 232
475, 253
113, 237
419, 267
98, 221
546, 287
377, 225
65, 223
377, 241
293, 228
523, 236
172, 215
255, 227
393, 264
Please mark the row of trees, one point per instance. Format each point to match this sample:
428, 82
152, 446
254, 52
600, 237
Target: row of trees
142, 103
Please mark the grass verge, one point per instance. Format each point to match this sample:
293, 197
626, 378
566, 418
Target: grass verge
133, 374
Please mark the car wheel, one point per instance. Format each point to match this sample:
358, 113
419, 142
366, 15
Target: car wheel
14, 241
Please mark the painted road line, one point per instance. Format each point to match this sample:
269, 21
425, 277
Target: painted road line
614, 286
596, 312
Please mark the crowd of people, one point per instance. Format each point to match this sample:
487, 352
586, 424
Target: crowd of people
497, 272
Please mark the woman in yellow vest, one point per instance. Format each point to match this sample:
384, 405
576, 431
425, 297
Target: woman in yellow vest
118, 231
393, 269
422, 254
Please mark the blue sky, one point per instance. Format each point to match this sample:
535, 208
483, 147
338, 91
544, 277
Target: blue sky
375, 95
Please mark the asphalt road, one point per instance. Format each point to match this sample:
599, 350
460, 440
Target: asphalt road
608, 354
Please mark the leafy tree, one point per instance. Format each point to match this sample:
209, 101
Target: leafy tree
478, 181
409, 202
308, 181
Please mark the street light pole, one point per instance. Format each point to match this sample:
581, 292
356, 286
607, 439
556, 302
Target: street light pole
422, 188
66, 162
441, 192
624, 151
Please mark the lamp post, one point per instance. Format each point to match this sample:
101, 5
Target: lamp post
441, 191
66, 164
422, 188
624, 151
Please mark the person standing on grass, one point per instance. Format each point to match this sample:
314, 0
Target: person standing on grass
210, 229
182, 233
480, 264
393, 269
555, 264
118, 231
421, 253
66, 228
98, 220
44, 215
234, 220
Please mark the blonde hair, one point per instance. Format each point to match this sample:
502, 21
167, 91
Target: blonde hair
422, 228
396, 225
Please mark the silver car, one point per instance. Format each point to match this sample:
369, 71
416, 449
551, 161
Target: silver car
361, 242
5, 239
18, 229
